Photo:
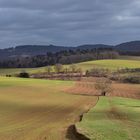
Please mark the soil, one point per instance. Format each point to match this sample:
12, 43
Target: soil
119, 89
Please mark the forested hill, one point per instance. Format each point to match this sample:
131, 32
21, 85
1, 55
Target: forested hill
33, 50
30, 50
129, 46
62, 57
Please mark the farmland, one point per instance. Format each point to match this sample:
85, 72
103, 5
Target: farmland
119, 89
69, 69
33, 109
110, 64
112, 119
38, 109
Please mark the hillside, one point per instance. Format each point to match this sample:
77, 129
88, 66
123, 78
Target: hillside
129, 46
110, 64
90, 46
33, 50
29, 50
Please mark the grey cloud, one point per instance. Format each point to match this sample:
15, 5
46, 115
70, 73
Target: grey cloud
68, 22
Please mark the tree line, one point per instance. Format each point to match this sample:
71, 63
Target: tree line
63, 57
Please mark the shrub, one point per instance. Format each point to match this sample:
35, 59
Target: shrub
131, 79
126, 70
98, 72
23, 75
8, 75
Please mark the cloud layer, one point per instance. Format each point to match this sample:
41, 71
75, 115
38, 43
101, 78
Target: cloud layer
68, 22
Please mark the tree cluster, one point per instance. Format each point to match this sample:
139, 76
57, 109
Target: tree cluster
63, 57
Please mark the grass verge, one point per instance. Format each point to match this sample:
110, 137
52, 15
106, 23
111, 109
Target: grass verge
112, 119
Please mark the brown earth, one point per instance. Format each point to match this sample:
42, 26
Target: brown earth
86, 87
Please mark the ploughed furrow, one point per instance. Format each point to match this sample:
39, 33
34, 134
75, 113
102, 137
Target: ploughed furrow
119, 90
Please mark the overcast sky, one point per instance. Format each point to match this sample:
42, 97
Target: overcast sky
68, 22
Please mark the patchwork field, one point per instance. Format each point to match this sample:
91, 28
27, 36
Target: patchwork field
112, 119
38, 109
110, 64
32, 109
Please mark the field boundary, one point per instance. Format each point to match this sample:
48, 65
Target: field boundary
72, 131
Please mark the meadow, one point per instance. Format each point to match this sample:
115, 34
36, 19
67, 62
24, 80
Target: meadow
38, 109
113, 118
109, 64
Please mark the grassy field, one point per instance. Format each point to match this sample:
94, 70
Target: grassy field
112, 119
110, 64
38, 109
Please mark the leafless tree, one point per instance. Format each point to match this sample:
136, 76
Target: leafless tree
58, 68
48, 69
73, 68
103, 85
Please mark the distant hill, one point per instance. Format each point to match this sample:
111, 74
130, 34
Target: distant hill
129, 46
38, 49
30, 50
94, 46
33, 50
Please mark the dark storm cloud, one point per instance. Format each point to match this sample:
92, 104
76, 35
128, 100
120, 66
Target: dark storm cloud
68, 22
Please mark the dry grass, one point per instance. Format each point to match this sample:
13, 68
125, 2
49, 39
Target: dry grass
38, 109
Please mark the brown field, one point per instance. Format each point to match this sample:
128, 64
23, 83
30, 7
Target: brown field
86, 87
33, 109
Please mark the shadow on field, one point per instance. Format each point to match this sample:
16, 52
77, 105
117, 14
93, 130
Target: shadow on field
73, 134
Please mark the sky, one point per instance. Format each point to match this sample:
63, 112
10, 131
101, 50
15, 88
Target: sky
68, 22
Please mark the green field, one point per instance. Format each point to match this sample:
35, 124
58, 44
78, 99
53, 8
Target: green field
38, 109
112, 119
110, 64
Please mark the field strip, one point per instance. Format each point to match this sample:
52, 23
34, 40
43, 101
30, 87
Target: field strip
119, 90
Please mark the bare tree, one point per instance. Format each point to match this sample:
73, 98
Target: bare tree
73, 68
66, 70
48, 69
80, 71
58, 68
104, 85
